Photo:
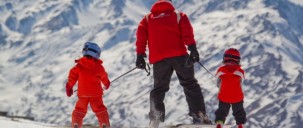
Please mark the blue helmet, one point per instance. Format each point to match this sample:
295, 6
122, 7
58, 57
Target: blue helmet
91, 49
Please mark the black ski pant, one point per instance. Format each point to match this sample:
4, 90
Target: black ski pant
238, 112
162, 72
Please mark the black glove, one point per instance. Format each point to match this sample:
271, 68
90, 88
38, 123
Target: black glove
140, 62
194, 54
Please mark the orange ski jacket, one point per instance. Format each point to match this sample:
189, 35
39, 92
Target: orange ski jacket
89, 73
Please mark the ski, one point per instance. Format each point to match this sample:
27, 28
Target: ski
197, 126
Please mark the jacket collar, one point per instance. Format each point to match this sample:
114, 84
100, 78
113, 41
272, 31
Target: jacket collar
88, 62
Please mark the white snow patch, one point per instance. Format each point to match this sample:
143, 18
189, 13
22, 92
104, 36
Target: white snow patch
299, 2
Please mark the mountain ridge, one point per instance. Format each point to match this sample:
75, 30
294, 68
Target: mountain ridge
38, 47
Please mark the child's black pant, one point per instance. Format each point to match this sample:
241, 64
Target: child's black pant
238, 112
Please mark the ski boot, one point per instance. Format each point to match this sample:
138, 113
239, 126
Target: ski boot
103, 119
75, 126
200, 118
155, 119
77, 119
154, 123
103, 126
219, 124
240, 126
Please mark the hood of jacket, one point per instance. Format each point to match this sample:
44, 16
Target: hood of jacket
162, 6
231, 68
89, 62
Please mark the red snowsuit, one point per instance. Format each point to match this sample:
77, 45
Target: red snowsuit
161, 33
89, 73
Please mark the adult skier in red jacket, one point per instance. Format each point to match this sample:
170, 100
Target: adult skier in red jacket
230, 77
89, 73
166, 32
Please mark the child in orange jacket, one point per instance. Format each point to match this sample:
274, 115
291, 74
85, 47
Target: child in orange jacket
229, 79
89, 73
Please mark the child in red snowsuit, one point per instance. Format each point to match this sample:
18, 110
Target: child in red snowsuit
89, 73
229, 79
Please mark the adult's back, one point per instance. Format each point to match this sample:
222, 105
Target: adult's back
166, 31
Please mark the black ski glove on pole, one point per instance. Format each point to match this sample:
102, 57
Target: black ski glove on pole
194, 54
140, 62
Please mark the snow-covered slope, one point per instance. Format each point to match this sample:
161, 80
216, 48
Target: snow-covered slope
20, 123
39, 41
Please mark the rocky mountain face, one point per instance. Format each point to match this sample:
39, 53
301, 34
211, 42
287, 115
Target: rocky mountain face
39, 41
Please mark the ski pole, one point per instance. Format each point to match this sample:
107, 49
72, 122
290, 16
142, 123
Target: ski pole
124, 74
119, 76
188, 65
147, 70
206, 69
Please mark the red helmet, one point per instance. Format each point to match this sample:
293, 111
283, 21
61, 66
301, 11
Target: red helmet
232, 54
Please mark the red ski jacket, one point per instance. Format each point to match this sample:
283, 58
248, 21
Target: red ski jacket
89, 73
230, 79
165, 32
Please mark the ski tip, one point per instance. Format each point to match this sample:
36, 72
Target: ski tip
196, 126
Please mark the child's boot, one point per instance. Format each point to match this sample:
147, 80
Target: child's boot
219, 124
77, 119
103, 119
240, 126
